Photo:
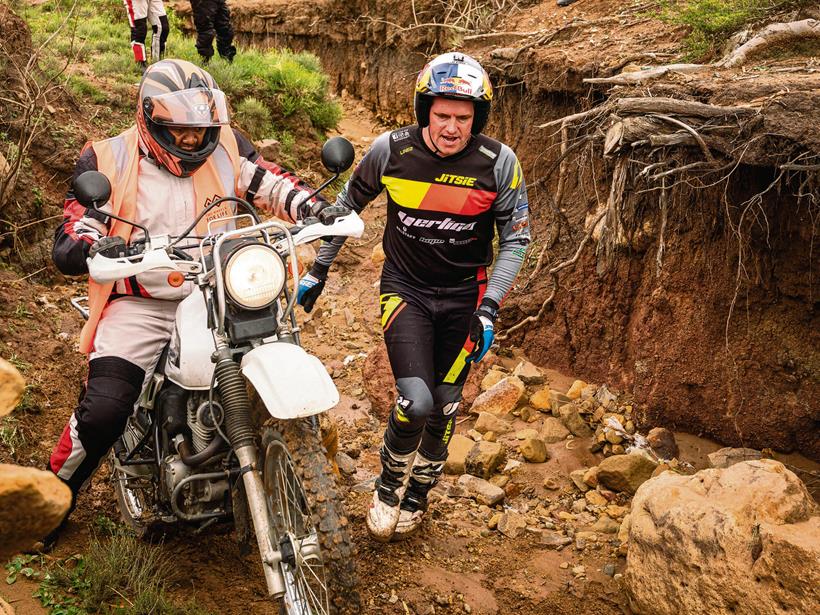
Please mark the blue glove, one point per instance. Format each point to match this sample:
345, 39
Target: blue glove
310, 287
482, 331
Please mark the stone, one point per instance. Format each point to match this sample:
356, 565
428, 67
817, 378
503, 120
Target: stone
5, 607
269, 149
572, 420
604, 396
550, 484
541, 400
663, 443
591, 477
594, 498
606, 525
490, 422
12, 387
492, 522
617, 449
623, 536
377, 254
625, 472
346, 464
729, 456
588, 392
512, 524
742, 539
490, 436
612, 436
474, 435
553, 431
533, 450
574, 391
501, 399
566, 516
528, 373
500, 480
526, 434
492, 378
558, 399
460, 446
578, 506
608, 570
579, 570
484, 459
481, 490
577, 477
32, 503
553, 540
528, 415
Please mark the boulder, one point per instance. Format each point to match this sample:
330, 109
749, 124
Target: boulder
490, 422
501, 399
12, 387
541, 400
457, 452
729, 456
512, 524
528, 373
663, 443
553, 431
574, 391
484, 459
492, 378
569, 416
744, 540
533, 450
484, 492
625, 472
32, 503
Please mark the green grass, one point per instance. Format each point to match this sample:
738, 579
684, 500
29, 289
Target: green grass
118, 575
12, 436
291, 86
712, 22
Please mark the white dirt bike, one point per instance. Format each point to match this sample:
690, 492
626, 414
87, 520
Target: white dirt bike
228, 425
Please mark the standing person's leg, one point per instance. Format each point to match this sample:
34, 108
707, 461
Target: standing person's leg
129, 340
224, 32
137, 11
159, 27
408, 334
452, 345
204, 12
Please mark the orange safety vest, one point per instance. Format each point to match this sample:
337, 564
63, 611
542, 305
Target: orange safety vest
118, 159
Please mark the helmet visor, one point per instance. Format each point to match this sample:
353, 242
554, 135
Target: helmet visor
194, 107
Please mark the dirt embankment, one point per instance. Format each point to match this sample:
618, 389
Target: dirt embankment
721, 339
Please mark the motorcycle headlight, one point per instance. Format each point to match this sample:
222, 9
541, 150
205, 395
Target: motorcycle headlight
254, 276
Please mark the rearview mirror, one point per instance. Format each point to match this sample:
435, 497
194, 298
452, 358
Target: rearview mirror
92, 189
337, 154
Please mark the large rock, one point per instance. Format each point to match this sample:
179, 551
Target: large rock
484, 459
572, 419
12, 387
729, 456
457, 452
553, 431
483, 491
533, 450
492, 378
490, 422
744, 540
501, 398
32, 503
528, 373
625, 472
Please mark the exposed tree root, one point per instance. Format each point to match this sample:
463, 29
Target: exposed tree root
772, 34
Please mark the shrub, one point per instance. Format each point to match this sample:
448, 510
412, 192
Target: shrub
254, 116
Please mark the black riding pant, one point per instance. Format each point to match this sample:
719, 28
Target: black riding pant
213, 19
426, 330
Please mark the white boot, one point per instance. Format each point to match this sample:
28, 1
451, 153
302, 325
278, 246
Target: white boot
423, 477
383, 514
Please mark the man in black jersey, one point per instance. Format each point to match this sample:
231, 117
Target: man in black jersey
449, 190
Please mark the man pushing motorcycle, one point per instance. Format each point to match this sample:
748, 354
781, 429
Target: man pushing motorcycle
449, 189
180, 155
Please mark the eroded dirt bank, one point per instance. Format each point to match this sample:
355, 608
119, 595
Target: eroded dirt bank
721, 339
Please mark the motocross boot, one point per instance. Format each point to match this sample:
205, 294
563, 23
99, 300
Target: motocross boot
423, 477
383, 514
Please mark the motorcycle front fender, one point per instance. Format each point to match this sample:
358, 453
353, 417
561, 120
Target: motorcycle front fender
290, 382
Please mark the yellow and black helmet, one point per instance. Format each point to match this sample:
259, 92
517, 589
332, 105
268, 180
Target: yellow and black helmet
178, 94
458, 76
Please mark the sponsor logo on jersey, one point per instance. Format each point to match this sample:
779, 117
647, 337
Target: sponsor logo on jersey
488, 153
406, 150
456, 180
520, 224
448, 224
401, 135
521, 206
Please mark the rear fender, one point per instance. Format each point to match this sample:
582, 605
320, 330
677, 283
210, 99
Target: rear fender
290, 382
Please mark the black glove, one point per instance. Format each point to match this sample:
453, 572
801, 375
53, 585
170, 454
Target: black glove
110, 247
310, 287
482, 329
330, 213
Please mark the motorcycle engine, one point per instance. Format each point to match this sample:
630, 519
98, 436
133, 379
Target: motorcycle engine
201, 422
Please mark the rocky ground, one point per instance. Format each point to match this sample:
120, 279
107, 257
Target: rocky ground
532, 515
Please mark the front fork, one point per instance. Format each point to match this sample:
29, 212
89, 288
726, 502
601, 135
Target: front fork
237, 420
